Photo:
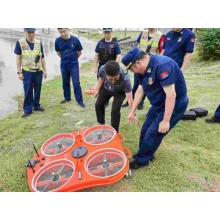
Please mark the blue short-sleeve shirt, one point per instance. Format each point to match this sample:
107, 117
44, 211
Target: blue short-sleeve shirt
177, 44
163, 71
69, 51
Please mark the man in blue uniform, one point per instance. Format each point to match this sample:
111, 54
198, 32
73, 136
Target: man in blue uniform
106, 49
162, 81
112, 82
216, 118
31, 68
69, 49
179, 45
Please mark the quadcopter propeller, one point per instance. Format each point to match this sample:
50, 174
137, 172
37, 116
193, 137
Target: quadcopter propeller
105, 165
56, 175
99, 136
59, 147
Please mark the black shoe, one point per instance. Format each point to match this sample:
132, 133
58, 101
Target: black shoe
140, 107
135, 155
82, 105
135, 165
64, 101
40, 109
213, 120
125, 105
26, 114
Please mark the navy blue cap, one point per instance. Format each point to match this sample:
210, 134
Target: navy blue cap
30, 29
130, 57
107, 29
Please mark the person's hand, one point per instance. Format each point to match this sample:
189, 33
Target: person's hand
96, 93
45, 75
135, 120
164, 127
96, 70
21, 76
132, 118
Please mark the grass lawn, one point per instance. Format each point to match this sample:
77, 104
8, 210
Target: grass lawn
187, 160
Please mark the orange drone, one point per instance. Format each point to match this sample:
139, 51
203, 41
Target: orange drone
77, 160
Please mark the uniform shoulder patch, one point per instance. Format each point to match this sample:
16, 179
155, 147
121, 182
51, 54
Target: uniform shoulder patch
164, 75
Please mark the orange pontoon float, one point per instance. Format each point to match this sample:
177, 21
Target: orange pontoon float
80, 159
91, 90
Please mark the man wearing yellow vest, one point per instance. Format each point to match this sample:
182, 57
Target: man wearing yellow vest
31, 68
149, 42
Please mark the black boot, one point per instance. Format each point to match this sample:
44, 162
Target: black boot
134, 165
213, 120
135, 155
140, 106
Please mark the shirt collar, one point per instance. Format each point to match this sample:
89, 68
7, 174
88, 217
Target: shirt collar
150, 65
178, 33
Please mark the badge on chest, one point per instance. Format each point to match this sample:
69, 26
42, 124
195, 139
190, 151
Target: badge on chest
150, 81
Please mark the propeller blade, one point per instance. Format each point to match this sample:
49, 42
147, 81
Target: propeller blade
105, 165
55, 175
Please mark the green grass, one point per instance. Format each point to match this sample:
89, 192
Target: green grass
187, 160
94, 35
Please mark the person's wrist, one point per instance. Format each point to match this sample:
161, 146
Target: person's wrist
166, 120
132, 112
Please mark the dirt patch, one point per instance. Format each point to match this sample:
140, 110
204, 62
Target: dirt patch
192, 176
164, 144
177, 147
215, 186
205, 184
2, 187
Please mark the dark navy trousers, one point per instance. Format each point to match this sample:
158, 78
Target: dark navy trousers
74, 74
150, 138
32, 88
217, 112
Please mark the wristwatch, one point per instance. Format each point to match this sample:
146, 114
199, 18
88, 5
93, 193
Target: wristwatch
19, 73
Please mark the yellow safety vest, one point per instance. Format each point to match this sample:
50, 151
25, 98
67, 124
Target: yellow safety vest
144, 42
28, 56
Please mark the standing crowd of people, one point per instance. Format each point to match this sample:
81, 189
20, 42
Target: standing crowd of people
158, 63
